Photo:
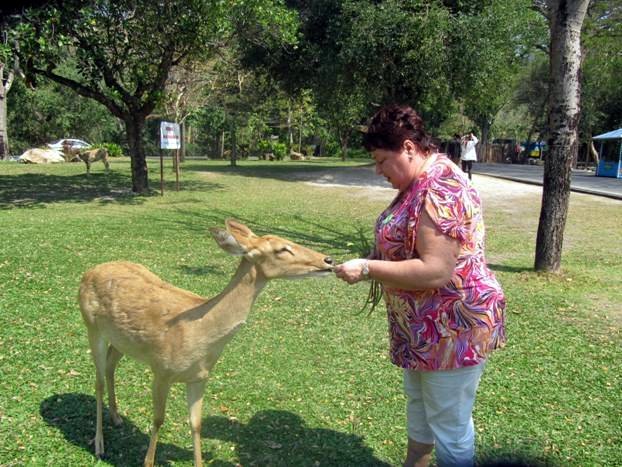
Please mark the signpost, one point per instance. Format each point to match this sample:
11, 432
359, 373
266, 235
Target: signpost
169, 139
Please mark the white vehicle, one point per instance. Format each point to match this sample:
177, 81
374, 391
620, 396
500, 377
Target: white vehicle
74, 143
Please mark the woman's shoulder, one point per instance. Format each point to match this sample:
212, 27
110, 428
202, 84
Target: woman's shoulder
446, 177
443, 170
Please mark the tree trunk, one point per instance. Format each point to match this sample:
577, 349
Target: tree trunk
182, 140
134, 128
4, 134
5, 85
290, 131
593, 152
221, 145
484, 126
344, 138
300, 134
566, 19
234, 144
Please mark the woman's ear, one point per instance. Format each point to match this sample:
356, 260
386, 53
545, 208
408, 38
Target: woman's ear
410, 147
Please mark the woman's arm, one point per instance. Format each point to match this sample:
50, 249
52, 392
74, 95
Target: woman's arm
433, 268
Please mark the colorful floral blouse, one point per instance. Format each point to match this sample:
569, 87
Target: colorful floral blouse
460, 323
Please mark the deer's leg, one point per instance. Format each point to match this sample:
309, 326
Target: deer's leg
88, 167
107, 165
160, 390
112, 359
194, 394
98, 352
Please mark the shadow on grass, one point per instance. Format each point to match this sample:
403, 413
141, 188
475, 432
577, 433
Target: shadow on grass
270, 438
280, 438
74, 416
510, 459
297, 171
324, 237
506, 268
36, 190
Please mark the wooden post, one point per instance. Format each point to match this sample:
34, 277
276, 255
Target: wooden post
161, 173
177, 169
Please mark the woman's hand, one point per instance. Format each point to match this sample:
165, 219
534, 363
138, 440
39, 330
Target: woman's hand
353, 271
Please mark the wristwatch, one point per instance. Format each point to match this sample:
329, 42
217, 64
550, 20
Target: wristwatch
365, 270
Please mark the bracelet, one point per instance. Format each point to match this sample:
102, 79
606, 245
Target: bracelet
365, 270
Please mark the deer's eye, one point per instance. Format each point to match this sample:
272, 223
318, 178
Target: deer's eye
285, 249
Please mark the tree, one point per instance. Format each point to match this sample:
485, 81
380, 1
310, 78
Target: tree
490, 45
533, 92
565, 21
601, 100
119, 53
52, 111
186, 92
9, 66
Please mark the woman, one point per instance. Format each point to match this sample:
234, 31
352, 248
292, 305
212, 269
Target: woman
445, 308
468, 154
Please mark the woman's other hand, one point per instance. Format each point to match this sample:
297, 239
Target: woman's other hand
353, 271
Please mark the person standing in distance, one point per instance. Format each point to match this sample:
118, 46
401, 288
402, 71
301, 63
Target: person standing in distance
445, 308
468, 154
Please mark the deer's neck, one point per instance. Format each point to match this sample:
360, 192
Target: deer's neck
228, 310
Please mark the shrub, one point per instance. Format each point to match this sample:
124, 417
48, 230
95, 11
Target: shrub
279, 150
114, 150
264, 146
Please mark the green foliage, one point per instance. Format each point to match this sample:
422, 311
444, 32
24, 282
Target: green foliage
602, 68
279, 149
50, 112
114, 150
399, 51
111, 53
264, 146
489, 47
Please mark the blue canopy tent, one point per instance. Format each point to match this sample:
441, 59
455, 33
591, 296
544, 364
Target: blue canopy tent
609, 154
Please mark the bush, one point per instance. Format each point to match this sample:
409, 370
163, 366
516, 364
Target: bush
279, 150
114, 150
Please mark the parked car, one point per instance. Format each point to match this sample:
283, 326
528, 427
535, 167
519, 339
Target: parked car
74, 143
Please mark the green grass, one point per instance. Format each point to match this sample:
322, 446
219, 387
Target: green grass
307, 381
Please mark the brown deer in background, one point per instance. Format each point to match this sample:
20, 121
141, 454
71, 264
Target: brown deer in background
130, 311
94, 155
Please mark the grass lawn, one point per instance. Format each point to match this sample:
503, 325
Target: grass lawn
307, 381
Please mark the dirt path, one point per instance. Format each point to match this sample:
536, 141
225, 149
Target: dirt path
490, 188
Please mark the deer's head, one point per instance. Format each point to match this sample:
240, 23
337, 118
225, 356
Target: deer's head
273, 256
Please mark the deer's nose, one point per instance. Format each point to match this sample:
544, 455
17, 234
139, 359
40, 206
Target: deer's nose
328, 260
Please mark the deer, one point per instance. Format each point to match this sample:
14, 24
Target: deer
128, 310
93, 155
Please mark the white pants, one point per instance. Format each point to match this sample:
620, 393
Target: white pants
439, 408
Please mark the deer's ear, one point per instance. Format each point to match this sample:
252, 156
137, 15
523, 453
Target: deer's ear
238, 229
243, 235
227, 242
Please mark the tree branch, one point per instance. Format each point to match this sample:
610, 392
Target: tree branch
82, 90
107, 73
542, 7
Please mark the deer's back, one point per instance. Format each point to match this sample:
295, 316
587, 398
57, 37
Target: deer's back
133, 308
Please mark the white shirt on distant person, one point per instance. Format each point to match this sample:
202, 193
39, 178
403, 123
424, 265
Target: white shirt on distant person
467, 149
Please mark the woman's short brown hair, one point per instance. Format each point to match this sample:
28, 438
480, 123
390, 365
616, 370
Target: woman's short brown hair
393, 124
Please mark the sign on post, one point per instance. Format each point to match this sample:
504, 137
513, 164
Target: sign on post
169, 139
169, 135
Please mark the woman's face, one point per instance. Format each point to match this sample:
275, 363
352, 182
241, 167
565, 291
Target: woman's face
398, 167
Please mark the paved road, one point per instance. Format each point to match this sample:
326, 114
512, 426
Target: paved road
583, 181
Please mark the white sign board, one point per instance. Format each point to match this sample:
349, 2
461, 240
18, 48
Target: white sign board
169, 135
